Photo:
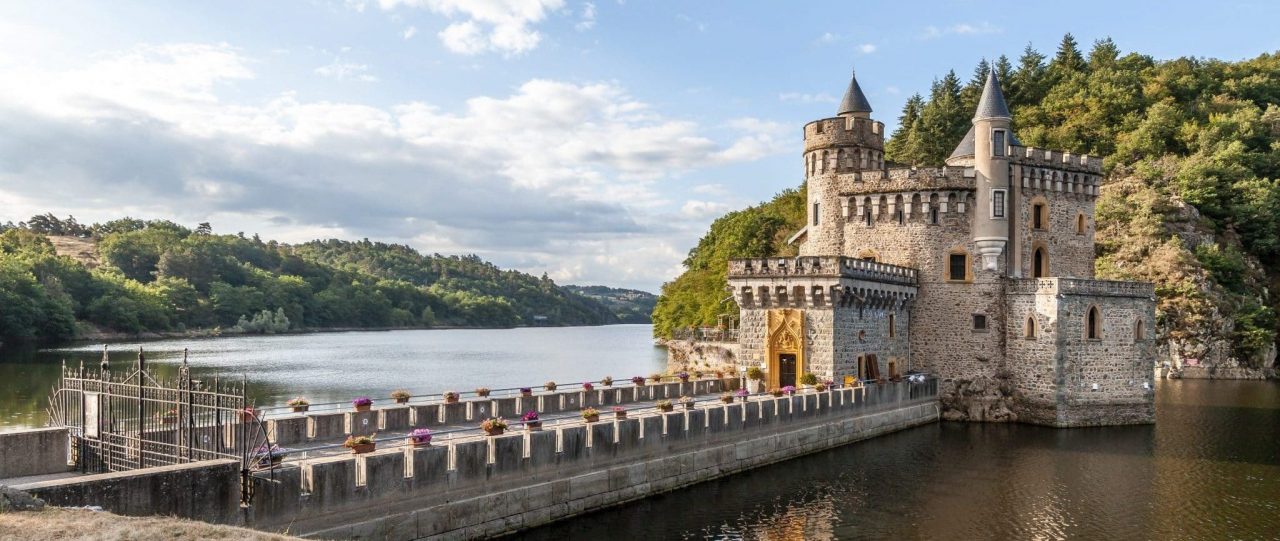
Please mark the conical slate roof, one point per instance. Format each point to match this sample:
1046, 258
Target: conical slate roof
854, 100
992, 104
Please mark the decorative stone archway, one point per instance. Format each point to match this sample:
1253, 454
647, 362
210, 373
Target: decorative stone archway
785, 342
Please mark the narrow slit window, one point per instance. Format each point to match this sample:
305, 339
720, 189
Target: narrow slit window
893, 331
997, 203
997, 143
815, 213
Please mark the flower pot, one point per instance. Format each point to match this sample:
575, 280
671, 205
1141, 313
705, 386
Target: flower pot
363, 448
665, 409
592, 418
451, 400
620, 414
494, 431
364, 407
684, 380
300, 409
404, 400
527, 395
484, 394
412, 442
274, 460
534, 426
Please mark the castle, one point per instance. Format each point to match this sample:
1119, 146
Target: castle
980, 271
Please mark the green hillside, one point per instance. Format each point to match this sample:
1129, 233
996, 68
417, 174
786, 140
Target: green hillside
628, 305
158, 276
1191, 201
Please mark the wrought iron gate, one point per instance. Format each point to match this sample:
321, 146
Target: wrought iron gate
128, 420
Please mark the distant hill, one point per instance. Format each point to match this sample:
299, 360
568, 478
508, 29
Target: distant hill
60, 279
630, 305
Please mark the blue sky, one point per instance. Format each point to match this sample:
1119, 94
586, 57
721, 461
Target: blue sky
594, 141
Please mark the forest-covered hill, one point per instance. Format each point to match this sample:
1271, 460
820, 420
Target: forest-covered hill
1191, 199
630, 305
135, 276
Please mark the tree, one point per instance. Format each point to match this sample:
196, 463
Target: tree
897, 148
1027, 85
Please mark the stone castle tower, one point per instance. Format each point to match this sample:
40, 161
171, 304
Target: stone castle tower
979, 271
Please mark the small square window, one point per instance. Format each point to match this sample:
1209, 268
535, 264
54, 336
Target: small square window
979, 322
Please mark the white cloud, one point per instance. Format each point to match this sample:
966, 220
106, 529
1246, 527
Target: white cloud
409, 32
962, 29
821, 97
703, 209
346, 71
587, 18
867, 48
503, 26
555, 176
828, 38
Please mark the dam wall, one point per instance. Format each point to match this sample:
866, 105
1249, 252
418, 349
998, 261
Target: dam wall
487, 486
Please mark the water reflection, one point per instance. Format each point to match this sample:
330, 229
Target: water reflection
1208, 470
336, 367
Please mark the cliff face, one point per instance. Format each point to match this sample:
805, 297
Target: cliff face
1209, 290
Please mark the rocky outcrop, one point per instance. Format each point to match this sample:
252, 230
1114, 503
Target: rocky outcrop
979, 399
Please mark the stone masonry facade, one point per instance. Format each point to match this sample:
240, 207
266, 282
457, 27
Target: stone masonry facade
983, 267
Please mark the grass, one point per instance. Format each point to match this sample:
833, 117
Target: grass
54, 524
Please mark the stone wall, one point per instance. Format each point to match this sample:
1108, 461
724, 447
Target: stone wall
207, 491
691, 355
33, 452
491, 486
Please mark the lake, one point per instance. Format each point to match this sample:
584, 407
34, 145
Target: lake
336, 367
1209, 468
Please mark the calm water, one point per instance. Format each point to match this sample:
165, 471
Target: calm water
1209, 468
334, 367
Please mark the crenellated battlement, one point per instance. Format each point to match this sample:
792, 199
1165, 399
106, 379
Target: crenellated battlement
1081, 286
843, 131
1056, 159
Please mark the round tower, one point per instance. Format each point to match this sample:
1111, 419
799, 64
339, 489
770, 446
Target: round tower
844, 145
991, 138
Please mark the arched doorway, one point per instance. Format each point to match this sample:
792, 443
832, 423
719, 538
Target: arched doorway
785, 353
1040, 263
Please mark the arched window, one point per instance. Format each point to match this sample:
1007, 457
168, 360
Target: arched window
1080, 224
1093, 324
1139, 331
1040, 263
1030, 332
1040, 216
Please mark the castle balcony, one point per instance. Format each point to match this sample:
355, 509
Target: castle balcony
1081, 286
819, 282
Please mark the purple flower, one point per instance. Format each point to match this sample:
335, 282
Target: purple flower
421, 435
362, 401
742, 392
588, 386
529, 416
790, 389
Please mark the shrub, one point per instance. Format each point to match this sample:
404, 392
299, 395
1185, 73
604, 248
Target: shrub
353, 441
589, 412
755, 373
400, 394
809, 378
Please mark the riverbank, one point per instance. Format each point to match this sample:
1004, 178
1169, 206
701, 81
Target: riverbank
54, 523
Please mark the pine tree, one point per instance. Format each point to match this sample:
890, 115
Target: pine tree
1067, 62
943, 122
1103, 55
972, 91
1027, 85
898, 149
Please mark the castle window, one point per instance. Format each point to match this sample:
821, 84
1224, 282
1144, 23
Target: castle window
933, 215
979, 323
1030, 332
997, 143
997, 203
1040, 263
815, 213
1093, 324
893, 331
1039, 216
958, 266
902, 219
867, 216
1080, 224
1139, 331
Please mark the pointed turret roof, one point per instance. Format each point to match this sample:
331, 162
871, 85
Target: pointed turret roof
854, 100
992, 104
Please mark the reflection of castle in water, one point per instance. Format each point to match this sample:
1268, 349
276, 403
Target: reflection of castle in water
980, 271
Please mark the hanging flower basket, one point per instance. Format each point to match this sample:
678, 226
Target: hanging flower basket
450, 397
664, 405
362, 403
591, 415
531, 421
420, 437
619, 412
494, 426
360, 444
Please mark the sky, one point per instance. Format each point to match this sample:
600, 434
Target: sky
593, 141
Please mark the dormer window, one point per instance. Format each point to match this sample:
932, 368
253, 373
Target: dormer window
997, 143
